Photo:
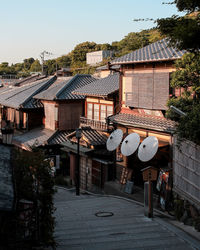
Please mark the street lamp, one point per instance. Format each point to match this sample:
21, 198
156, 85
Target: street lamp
7, 133
178, 111
78, 137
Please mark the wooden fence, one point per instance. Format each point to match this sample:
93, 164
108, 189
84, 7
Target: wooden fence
186, 170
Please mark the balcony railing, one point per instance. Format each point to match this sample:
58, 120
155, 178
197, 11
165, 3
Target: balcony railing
100, 125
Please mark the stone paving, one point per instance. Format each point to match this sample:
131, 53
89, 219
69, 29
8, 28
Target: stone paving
78, 227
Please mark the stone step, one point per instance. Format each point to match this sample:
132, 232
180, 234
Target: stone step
120, 243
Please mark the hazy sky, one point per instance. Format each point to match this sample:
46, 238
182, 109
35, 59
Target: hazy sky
30, 26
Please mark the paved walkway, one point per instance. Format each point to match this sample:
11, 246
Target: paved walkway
79, 228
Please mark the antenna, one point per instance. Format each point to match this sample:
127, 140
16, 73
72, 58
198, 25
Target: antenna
114, 140
148, 148
42, 55
130, 144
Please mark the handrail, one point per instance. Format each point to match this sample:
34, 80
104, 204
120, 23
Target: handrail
95, 124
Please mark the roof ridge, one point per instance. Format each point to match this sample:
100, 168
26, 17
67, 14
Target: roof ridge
160, 50
148, 116
49, 81
68, 83
22, 90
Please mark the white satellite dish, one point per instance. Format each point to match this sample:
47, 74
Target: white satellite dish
148, 148
130, 144
114, 140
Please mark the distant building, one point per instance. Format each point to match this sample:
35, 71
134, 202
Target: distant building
92, 58
64, 72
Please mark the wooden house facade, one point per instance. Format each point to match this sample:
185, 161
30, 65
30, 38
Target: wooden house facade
20, 108
96, 163
63, 109
144, 89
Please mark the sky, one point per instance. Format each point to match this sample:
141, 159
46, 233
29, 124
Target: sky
28, 27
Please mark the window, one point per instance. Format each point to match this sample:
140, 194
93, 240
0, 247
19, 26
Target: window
96, 112
89, 110
99, 112
103, 113
109, 110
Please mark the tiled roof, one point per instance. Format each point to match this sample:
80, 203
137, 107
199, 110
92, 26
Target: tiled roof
62, 90
22, 97
58, 137
143, 121
94, 137
39, 137
29, 79
105, 67
35, 137
158, 51
6, 183
100, 87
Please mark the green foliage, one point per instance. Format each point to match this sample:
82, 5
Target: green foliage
183, 103
189, 125
78, 54
27, 63
35, 66
64, 61
50, 66
34, 182
188, 5
187, 74
5, 69
183, 31
135, 40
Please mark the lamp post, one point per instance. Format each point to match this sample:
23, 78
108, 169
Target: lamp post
7, 133
78, 136
178, 111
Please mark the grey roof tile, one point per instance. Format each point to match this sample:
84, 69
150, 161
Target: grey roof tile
39, 137
94, 137
158, 51
62, 90
144, 121
59, 137
35, 137
28, 79
100, 87
22, 97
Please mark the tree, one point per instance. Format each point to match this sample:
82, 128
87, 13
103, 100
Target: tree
27, 63
136, 40
34, 182
4, 68
50, 66
187, 74
183, 33
64, 61
78, 54
35, 66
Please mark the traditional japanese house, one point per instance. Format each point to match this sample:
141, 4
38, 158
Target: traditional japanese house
19, 107
57, 115
96, 163
62, 108
144, 89
101, 101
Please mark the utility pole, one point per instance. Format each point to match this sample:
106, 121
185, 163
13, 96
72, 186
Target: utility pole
42, 55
